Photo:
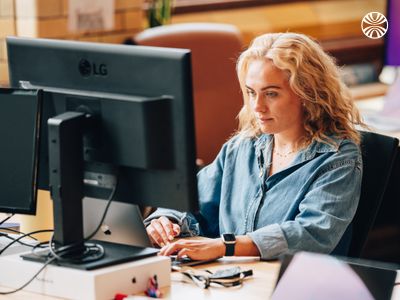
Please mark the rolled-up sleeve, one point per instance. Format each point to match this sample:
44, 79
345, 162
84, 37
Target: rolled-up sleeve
187, 222
270, 241
204, 222
324, 214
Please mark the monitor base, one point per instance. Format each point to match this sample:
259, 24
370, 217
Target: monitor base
114, 254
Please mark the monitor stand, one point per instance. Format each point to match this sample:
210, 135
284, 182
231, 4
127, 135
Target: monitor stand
114, 254
66, 188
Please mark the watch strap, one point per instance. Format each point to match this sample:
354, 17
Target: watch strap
229, 249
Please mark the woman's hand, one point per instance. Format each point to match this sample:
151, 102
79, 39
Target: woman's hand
202, 249
162, 231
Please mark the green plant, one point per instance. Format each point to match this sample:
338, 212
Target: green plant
159, 12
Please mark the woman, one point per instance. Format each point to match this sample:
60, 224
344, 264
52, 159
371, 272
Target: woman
290, 178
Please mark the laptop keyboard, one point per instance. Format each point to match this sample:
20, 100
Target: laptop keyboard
177, 264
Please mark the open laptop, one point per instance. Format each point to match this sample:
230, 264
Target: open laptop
123, 223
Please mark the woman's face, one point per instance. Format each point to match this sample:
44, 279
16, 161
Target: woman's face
276, 107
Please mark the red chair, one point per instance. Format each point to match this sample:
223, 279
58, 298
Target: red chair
217, 95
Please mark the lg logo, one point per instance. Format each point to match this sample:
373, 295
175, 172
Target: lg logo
87, 68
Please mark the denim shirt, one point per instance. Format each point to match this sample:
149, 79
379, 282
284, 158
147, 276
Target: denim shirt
306, 206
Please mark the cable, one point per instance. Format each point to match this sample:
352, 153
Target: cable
21, 237
6, 218
57, 254
96, 251
110, 199
92, 252
13, 238
50, 260
40, 245
19, 232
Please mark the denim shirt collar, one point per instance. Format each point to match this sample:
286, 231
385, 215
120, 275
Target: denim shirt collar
305, 154
261, 143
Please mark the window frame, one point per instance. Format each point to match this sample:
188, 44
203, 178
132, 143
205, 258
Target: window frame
191, 6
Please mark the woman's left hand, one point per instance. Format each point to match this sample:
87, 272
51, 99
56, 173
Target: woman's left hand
195, 249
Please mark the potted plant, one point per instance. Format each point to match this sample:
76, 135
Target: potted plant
159, 12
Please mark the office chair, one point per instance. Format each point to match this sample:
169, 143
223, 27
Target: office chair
217, 97
378, 154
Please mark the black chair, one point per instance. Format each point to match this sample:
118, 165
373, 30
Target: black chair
378, 153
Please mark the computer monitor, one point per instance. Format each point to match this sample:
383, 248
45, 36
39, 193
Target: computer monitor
19, 131
392, 45
140, 128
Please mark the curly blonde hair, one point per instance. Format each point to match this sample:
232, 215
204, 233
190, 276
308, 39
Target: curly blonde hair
314, 78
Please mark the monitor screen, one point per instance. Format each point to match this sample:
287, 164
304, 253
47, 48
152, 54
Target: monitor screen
393, 34
19, 117
140, 130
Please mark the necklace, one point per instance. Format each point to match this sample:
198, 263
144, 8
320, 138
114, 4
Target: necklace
284, 155
289, 153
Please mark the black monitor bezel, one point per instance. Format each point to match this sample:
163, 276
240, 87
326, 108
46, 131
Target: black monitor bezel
23, 69
31, 202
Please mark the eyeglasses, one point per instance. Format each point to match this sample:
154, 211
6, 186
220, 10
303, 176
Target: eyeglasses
229, 277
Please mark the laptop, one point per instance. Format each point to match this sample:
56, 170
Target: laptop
307, 275
123, 223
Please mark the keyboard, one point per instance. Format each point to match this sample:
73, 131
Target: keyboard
177, 264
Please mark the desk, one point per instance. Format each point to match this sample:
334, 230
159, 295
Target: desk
258, 286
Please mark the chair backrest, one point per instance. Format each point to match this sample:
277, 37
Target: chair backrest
378, 153
217, 97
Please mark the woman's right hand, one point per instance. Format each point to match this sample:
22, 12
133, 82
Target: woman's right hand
162, 231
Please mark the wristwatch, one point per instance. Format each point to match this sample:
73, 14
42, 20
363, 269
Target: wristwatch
229, 240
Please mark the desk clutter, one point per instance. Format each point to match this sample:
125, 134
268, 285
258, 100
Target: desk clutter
7, 246
152, 291
226, 277
9, 238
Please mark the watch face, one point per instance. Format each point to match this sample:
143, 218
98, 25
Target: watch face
229, 237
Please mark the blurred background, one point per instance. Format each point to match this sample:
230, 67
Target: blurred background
332, 22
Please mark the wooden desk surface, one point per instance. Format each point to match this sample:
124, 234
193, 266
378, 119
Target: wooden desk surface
258, 286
